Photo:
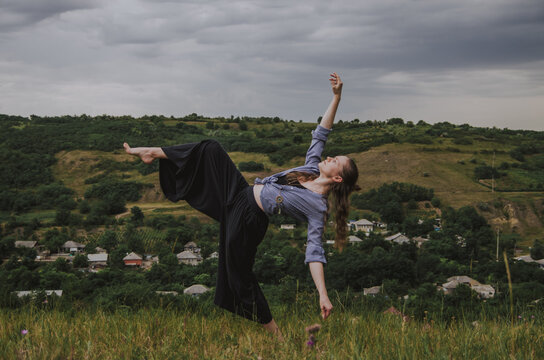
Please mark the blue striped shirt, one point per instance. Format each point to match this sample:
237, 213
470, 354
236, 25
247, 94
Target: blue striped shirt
302, 204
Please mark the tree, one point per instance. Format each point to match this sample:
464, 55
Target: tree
537, 251
80, 261
137, 217
108, 240
54, 239
62, 217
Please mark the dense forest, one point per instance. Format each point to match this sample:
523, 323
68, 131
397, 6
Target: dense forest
105, 207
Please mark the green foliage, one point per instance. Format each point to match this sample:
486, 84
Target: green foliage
110, 188
80, 261
386, 200
537, 250
250, 166
486, 172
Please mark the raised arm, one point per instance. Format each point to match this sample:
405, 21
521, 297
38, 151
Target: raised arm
336, 84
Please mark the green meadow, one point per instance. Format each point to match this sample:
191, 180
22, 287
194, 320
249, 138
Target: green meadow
210, 333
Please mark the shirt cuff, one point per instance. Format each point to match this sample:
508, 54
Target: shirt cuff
315, 253
320, 133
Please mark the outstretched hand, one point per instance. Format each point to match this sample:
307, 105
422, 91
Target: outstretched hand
326, 307
336, 84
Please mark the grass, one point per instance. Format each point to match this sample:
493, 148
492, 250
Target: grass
159, 333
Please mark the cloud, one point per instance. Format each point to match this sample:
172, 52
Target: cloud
16, 14
272, 57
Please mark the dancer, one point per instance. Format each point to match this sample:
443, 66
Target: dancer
204, 175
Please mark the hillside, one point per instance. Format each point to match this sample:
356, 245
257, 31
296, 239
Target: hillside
458, 162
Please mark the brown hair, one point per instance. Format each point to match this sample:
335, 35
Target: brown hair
339, 200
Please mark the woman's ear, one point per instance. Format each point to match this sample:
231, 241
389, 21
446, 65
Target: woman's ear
337, 178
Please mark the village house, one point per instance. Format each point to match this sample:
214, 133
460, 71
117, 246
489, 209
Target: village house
72, 247
420, 240
372, 291
352, 239
484, 291
132, 259
196, 290
97, 260
287, 226
189, 258
398, 238
214, 255
191, 246
149, 260
529, 259
33, 293
26, 244
363, 225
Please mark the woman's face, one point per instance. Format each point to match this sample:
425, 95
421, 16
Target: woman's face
332, 167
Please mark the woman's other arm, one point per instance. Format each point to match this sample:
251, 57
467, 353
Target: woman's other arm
336, 84
316, 268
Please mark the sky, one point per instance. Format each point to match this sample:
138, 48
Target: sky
479, 62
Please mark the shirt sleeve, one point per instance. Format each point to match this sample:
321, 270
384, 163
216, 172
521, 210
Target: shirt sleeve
319, 138
314, 248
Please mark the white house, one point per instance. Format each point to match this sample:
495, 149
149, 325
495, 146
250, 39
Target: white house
363, 225
196, 290
287, 226
483, 290
398, 238
214, 255
24, 243
529, 259
189, 258
352, 239
72, 246
33, 293
97, 260
373, 291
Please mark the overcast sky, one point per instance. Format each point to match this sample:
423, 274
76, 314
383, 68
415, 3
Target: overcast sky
464, 61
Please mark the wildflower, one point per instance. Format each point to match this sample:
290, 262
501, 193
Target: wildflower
519, 317
532, 316
312, 329
24, 332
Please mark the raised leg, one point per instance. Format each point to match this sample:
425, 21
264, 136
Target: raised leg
147, 154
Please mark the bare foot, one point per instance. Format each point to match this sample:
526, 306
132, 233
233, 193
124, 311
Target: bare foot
144, 153
272, 327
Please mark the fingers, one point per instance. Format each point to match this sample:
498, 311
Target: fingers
335, 80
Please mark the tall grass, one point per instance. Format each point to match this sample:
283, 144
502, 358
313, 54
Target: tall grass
210, 333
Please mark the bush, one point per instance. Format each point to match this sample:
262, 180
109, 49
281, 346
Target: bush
463, 141
250, 166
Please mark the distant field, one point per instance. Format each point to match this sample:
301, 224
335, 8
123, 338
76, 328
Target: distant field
446, 167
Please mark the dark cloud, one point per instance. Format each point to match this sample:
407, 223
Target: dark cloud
15, 14
262, 57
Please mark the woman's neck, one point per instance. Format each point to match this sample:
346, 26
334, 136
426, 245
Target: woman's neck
320, 185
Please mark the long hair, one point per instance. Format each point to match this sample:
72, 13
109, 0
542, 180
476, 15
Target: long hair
339, 201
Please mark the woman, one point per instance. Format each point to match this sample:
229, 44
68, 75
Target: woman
204, 175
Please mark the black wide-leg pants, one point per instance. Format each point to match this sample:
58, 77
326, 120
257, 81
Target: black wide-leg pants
204, 175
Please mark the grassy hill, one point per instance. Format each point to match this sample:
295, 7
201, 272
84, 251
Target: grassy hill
443, 156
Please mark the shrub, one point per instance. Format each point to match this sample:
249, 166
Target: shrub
250, 166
